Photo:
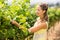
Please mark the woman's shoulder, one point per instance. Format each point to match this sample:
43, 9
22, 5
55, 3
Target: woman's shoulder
38, 18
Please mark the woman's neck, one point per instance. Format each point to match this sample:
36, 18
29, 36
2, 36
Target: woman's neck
41, 18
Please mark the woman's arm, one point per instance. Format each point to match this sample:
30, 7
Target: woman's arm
38, 27
34, 28
18, 25
15, 23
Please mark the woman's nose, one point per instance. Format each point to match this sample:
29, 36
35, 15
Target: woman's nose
36, 11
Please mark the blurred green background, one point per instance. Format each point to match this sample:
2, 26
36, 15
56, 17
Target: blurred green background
24, 14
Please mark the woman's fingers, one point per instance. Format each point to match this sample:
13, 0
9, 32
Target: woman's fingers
13, 22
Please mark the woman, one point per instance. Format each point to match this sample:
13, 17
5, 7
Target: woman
40, 27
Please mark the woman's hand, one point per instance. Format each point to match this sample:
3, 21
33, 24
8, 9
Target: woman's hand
15, 23
24, 29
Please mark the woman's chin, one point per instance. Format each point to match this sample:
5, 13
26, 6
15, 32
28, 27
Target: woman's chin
37, 14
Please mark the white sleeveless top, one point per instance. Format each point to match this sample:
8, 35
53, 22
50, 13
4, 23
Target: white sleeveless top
41, 34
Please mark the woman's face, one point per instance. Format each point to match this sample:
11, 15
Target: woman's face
39, 11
